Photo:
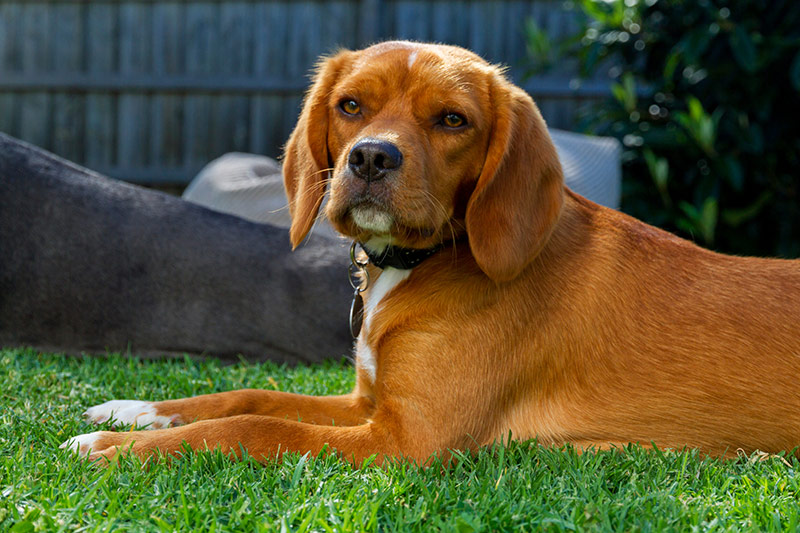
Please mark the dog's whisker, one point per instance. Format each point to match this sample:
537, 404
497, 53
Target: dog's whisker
313, 188
288, 204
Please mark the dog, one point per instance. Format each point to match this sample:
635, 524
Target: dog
499, 303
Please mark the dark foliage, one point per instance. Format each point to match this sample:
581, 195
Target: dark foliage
706, 99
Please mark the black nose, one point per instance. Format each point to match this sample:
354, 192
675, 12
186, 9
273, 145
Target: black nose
371, 159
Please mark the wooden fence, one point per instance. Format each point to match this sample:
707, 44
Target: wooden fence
149, 91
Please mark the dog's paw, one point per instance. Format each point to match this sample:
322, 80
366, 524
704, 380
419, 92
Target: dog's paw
84, 444
100, 444
129, 412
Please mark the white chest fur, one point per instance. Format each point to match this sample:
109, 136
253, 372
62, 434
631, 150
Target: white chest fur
388, 280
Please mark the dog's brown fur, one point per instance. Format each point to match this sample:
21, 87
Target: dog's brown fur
545, 316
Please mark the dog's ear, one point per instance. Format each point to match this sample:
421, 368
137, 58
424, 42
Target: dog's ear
307, 164
519, 194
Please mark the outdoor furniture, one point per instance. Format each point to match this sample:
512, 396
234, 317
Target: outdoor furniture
90, 264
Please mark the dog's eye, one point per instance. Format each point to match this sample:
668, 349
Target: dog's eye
453, 120
350, 107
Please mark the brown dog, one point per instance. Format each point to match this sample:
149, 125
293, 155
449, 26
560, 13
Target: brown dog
535, 312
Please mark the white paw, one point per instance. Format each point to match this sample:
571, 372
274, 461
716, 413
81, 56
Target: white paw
128, 412
81, 444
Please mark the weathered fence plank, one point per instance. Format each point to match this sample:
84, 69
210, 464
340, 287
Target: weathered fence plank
413, 19
169, 57
9, 54
343, 33
269, 63
201, 59
150, 90
370, 27
36, 115
231, 113
101, 52
134, 110
69, 109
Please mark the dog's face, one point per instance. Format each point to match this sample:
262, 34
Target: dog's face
423, 144
407, 139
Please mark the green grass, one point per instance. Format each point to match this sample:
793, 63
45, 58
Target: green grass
520, 486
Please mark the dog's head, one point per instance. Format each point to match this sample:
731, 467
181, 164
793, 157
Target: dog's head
419, 144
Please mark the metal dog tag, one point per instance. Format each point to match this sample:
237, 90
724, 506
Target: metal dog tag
356, 314
359, 280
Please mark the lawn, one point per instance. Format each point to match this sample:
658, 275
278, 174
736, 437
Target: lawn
520, 486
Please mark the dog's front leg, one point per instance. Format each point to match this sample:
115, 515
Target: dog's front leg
263, 437
346, 410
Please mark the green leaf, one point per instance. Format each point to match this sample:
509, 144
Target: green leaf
619, 93
794, 72
685, 225
696, 110
736, 217
592, 9
540, 47
703, 220
608, 13
659, 171
690, 210
701, 126
744, 51
670, 65
708, 219
625, 92
706, 134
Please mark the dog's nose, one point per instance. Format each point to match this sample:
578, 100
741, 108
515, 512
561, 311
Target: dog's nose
371, 159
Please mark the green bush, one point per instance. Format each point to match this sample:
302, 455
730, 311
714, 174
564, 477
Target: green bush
706, 100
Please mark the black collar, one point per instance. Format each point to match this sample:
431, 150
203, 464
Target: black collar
400, 258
